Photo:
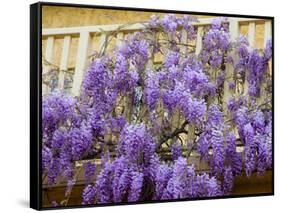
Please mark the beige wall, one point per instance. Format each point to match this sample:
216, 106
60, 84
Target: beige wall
71, 16
56, 17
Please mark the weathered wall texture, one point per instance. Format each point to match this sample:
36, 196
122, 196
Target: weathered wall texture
56, 17
71, 16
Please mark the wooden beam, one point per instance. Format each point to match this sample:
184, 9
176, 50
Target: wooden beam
64, 60
81, 59
49, 57
120, 37
131, 27
49, 52
184, 40
251, 34
267, 32
102, 42
199, 40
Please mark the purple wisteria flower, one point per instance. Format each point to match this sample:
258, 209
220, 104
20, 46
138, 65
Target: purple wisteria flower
163, 174
216, 43
170, 23
141, 122
250, 149
172, 59
152, 90
136, 143
227, 180
136, 187
88, 195
176, 149
89, 171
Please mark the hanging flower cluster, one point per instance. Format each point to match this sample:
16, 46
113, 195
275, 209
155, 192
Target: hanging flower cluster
170, 110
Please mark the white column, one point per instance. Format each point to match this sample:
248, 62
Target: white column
251, 34
81, 59
199, 40
49, 57
184, 41
267, 32
64, 60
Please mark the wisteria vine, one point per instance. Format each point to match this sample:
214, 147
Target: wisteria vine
137, 126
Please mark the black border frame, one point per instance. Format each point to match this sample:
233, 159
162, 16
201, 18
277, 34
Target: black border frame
36, 102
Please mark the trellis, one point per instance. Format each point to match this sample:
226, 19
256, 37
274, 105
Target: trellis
86, 33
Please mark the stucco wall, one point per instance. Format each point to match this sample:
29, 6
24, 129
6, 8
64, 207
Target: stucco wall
56, 17
71, 16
